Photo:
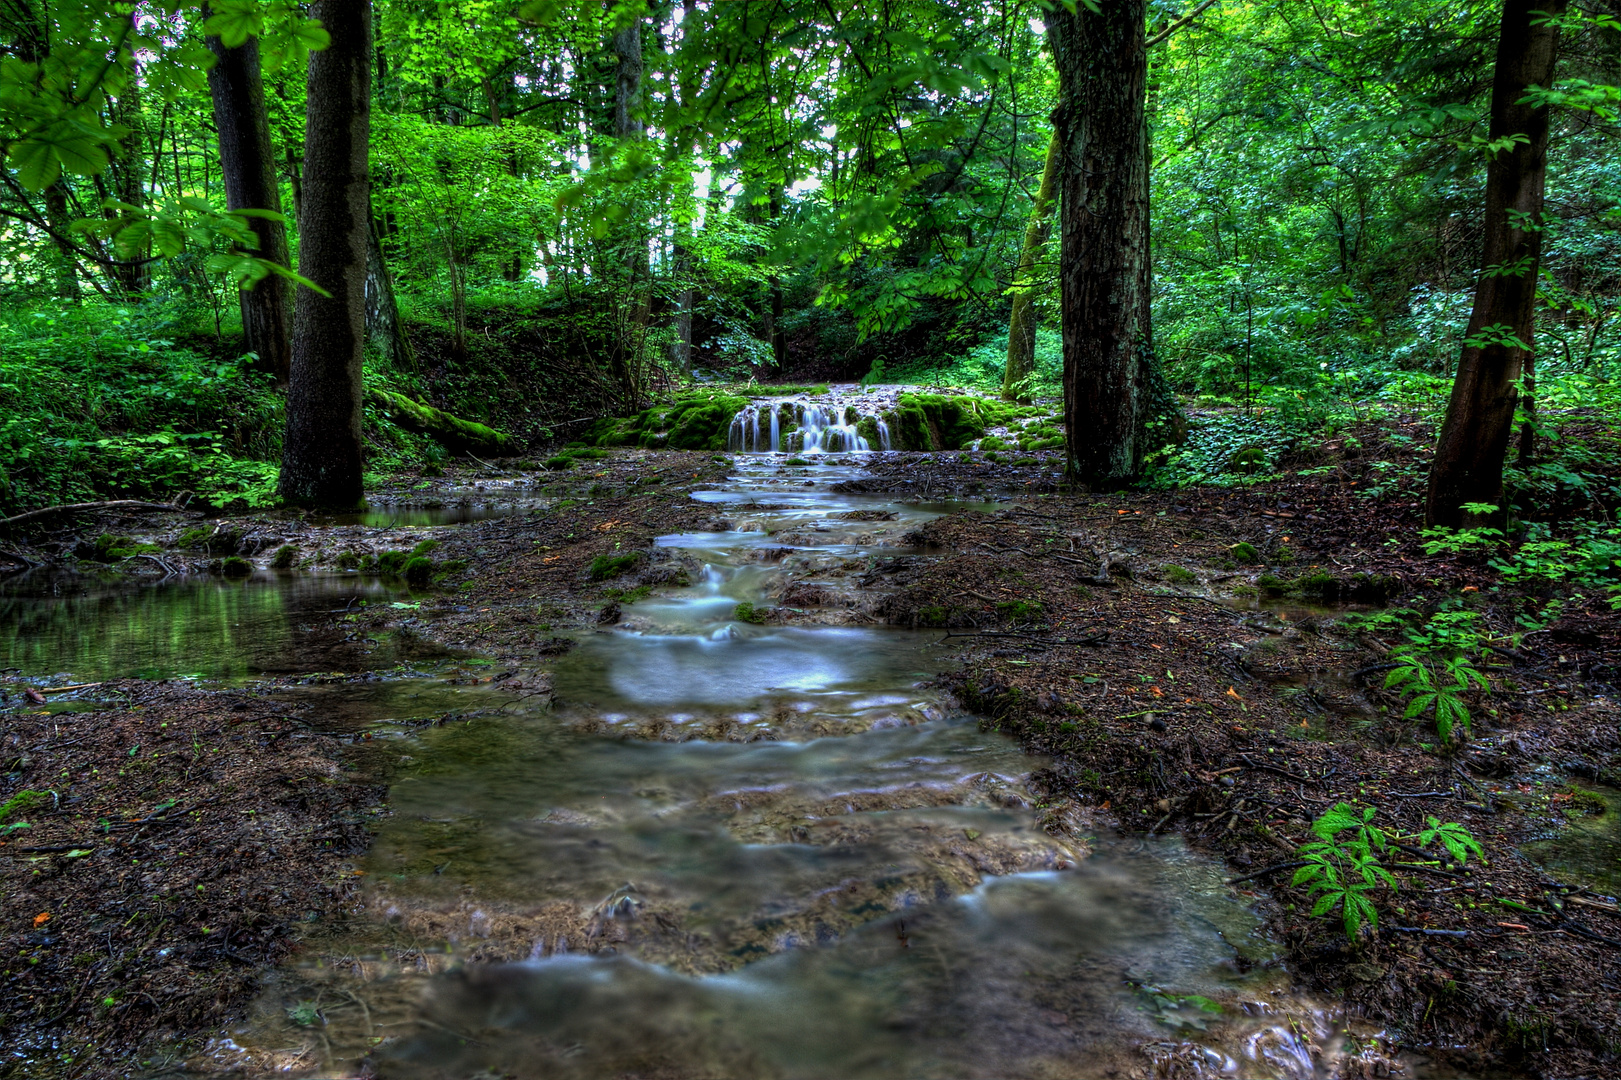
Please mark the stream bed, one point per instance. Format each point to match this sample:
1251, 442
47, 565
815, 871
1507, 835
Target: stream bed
710, 848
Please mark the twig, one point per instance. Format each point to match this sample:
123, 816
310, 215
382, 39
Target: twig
65, 689
1263, 873
487, 465
1428, 932
75, 508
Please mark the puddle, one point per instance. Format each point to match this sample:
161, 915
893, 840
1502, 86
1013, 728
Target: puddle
268, 624
1588, 851
385, 516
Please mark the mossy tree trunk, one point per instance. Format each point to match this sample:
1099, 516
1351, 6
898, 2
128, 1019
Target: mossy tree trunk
1021, 337
321, 454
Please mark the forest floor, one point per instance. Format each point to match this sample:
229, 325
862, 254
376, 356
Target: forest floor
1183, 660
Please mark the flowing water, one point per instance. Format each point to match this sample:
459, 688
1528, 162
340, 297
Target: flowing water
700, 847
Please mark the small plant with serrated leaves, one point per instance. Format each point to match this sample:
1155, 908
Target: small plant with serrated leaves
1436, 685
1343, 866
1452, 836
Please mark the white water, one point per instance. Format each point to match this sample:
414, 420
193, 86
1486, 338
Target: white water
823, 428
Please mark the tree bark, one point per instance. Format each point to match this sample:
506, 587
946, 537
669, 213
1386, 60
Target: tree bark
248, 161
384, 330
1021, 335
1468, 465
321, 454
630, 126
1102, 130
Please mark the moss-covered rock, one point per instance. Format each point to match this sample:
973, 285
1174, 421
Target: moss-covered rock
691, 422
452, 431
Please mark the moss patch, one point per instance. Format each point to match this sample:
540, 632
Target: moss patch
454, 432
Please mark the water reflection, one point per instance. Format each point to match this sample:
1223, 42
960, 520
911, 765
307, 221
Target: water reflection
215, 628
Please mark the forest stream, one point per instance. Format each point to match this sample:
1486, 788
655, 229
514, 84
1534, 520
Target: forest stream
856, 881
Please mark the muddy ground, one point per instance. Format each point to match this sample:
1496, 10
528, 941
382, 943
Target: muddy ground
1127, 637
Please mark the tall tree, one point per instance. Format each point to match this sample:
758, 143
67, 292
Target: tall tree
248, 161
1468, 465
321, 453
629, 126
1021, 336
1103, 276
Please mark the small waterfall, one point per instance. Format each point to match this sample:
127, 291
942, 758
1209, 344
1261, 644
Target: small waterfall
828, 431
823, 428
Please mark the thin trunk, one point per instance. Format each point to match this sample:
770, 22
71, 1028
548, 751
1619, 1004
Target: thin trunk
1104, 261
56, 213
629, 126
321, 454
248, 161
133, 277
774, 331
1021, 335
1468, 465
384, 329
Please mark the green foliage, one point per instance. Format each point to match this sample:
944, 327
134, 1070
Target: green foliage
100, 401
19, 804
1345, 864
1435, 684
1341, 872
748, 613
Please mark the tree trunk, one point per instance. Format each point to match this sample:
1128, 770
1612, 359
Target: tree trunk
133, 276
629, 126
1104, 260
1468, 465
384, 330
321, 454
56, 213
249, 164
1021, 334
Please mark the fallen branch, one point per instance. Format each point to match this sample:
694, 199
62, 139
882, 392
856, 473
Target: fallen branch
1428, 932
1265, 872
80, 508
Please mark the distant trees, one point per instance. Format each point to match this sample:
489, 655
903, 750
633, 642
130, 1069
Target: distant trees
321, 451
1468, 463
1103, 277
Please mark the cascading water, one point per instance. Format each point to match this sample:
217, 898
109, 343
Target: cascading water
813, 428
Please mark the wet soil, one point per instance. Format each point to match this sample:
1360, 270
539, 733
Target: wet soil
1120, 637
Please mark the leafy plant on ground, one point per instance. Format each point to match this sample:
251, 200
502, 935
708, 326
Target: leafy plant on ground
1345, 864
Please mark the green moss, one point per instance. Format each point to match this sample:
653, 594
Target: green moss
993, 442
867, 428
392, 562
560, 462
236, 566
1244, 553
347, 560
454, 432
1249, 460
110, 548
934, 615
425, 547
418, 570
21, 802
604, 567
195, 538
1019, 610
1180, 575
747, 612
284, 558
796, 461
1025, 462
